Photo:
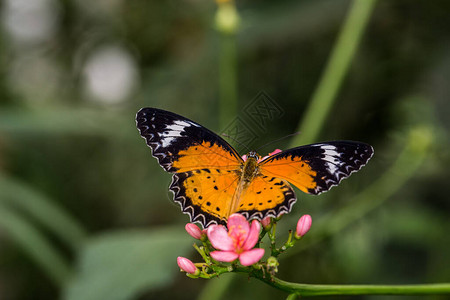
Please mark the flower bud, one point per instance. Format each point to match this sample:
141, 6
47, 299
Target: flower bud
266, 223
187, 266
193, 231
303, 226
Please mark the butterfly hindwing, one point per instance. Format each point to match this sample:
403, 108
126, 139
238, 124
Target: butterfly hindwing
316, 168
182, 145
266, 197
205, 194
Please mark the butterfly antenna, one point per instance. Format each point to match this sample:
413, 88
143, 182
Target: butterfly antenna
277, 140
237, 141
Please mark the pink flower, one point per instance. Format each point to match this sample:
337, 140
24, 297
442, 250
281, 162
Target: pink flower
187, 266
194, 231
276, 151
303, 226
237, 242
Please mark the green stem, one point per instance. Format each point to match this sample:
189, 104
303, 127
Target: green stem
328, 290
201, 251
335, 71
272, 234
227, 21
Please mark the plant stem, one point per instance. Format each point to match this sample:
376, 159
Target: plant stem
323, 289
335, 71
227, 21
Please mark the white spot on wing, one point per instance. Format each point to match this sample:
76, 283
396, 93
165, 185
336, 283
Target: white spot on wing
168, 136
167, 141
175, 127
331, 167
331, 154
185, 123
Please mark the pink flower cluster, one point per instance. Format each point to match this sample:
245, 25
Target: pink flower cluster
237, 242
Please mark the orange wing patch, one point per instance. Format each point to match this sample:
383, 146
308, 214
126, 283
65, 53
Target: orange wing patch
205, 194
294, 169
266, 197
205, 155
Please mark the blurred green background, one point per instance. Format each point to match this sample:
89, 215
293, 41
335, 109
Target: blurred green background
85, 211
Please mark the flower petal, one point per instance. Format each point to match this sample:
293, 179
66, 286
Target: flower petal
218, 236
253, 236
226, 256
251, 257
238, 227
276, 151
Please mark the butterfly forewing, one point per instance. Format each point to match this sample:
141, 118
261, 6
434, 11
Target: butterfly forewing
181, 145
316, 168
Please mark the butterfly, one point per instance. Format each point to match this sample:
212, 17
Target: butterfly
211, 181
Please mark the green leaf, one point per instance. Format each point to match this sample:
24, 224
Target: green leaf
35, 245
120, 265
21, 195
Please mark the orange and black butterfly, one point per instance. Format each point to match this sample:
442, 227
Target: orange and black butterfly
211, 181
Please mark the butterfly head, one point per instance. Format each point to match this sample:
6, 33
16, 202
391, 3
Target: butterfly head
253, 154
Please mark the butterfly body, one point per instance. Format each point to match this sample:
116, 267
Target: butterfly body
249, 168
211, 181
247, 173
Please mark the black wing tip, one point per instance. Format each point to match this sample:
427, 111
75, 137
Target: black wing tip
142, 119
153, 110
368, 154
143, 111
